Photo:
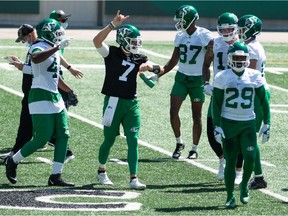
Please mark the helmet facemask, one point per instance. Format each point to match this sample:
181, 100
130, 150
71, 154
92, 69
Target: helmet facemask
132, 45
238, 60
228, 32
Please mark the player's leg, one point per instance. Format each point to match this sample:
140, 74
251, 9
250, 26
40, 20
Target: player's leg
178, 94
197, 97
131, 125
248, 148
62, 134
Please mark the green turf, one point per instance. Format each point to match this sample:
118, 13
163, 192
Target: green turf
173, 187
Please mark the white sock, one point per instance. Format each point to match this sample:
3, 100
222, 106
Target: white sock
18, 157
194, 147
179, 140
57, 168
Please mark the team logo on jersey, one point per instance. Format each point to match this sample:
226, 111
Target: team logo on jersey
250, 148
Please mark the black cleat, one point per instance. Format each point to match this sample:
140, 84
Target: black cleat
192, 155
69, 156
56, 180
257, 183
177, 152
11, 167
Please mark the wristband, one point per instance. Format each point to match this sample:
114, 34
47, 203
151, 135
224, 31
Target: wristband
112, 25
68, 68
155, 69
206, 83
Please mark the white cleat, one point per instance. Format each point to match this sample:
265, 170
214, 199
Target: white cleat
220, 175
238, 178
103, 179
135, 184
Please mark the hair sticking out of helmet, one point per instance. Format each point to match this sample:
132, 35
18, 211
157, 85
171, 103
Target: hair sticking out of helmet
248, 27
129, 38
50, 31
238, 56
227, 26
185, 16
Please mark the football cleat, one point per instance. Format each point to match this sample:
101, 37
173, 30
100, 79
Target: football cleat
230, 203
238, 177
103, 179
6, 155
135, 184
220, 175
257, 183
244, 194
11, 167
177, 152
192, 155
56, 180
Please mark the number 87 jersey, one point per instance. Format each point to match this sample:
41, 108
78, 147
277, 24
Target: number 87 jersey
238, 93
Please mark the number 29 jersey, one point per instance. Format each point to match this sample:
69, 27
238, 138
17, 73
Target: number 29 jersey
239, 93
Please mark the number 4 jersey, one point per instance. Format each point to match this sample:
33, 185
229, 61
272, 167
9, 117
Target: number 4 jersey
239, 93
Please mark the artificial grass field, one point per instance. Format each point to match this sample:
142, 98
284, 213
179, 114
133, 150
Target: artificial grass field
174, 187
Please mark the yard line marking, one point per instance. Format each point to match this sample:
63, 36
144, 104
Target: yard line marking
146, 144
118, 161
45, 160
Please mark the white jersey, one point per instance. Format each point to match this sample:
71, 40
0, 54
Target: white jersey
192, 50
257, 52
239, 93
220, 49
44, 97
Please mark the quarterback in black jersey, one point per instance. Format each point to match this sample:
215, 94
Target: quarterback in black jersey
120, 89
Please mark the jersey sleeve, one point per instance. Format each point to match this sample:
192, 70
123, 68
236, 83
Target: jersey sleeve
217, 100
206, 37
261, 93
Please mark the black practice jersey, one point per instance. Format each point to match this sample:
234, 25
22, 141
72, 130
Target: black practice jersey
121, 73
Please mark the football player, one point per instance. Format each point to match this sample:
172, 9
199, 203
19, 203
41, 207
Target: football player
249, 27
190, 46
62, 18
46, 105
120, 102
217, 52
234, 92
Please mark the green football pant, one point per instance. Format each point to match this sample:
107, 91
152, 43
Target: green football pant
127, 113
44, 125
244, 142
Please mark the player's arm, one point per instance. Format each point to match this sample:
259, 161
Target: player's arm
253, 64
102, 35
39, 55
74, 71
171, 63
264, 103
208, 58
217, 101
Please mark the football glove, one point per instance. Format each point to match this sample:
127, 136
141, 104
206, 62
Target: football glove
265, 133
64, 43
219, 134
208, 89
72, 99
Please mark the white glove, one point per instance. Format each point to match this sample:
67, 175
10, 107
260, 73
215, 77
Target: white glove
219, 134
208, 89
64, 43
265, 132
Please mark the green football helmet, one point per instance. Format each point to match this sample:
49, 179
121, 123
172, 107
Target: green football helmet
185, 16
129, 38
249, 26
238, 56
227, 26
50, 30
